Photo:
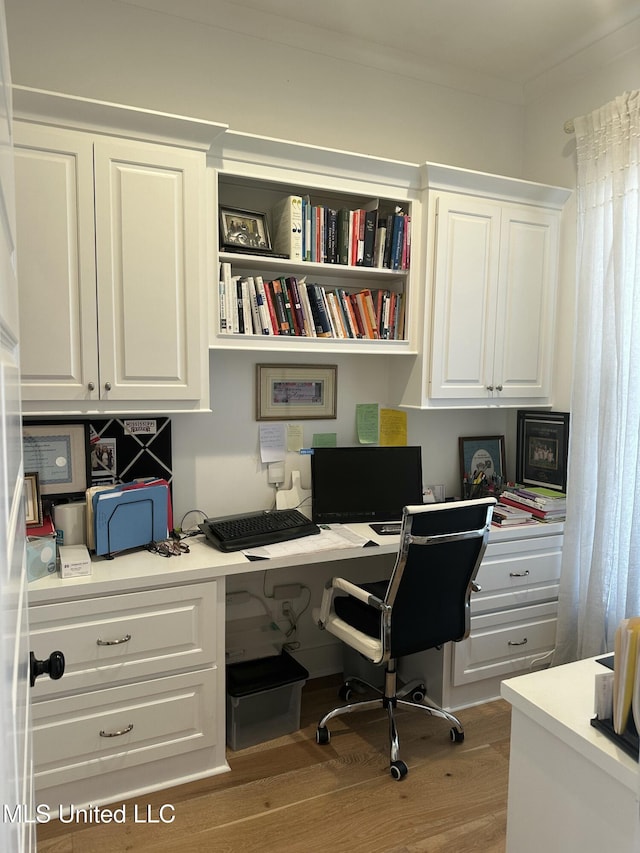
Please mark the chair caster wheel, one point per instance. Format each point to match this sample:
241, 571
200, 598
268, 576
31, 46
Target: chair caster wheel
455, 735
398, 770
323, 735
418, 694
345, 692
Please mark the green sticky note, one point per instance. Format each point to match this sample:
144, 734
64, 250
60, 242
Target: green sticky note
367, 425
325, 439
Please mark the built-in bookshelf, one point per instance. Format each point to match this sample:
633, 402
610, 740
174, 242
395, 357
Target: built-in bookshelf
332, 253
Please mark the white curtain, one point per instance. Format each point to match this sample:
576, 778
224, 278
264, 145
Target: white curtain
600, 581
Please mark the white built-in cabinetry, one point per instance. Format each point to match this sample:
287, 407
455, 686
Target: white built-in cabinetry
491, 281
139, 704
112, 262
254, 173
513, 620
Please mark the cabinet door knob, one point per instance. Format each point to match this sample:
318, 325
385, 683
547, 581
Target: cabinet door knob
489, 387
91, 386
107, 386
53, 666
498, 387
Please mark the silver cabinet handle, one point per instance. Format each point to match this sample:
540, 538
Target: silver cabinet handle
519, 574
489, 387
117, 734
91, 386
498, 387
107, 386
119, 642
521, 643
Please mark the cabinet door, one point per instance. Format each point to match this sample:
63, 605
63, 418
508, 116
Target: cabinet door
526, 306
56, 263
150, 266
467, 247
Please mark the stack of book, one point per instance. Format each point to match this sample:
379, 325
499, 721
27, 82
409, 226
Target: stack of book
543, 504
288, 305
510, 516
322, 234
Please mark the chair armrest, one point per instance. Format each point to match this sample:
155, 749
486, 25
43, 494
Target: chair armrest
342, 585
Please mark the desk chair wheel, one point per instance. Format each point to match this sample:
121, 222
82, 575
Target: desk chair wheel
323, 735
418, 693
456, 735
345, 693
398, 770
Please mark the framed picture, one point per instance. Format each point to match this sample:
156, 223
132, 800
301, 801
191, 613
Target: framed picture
542, 447
482, 464
59, 455
32, 501
296, 391
244, 231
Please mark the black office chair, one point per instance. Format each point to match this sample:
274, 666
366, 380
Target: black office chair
424, 605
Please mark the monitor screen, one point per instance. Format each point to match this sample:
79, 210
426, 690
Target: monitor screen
364, 483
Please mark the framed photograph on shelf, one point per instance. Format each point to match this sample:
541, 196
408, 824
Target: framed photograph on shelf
296, 391
59, 454
542, 447
244, 231
32, 501
482, 461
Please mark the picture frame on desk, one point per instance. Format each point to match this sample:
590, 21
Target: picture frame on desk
482, 464
32, 500
542, 447
296, 392
244, 231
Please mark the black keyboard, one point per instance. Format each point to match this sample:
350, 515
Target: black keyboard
238, 532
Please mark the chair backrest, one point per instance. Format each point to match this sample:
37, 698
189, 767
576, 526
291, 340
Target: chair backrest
441, 548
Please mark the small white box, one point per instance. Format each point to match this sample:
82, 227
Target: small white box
74, 561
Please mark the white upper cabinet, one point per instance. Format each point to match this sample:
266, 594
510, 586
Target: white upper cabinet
491, 292
112, 271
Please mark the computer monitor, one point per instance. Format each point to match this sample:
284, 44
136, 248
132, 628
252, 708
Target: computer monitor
352, 484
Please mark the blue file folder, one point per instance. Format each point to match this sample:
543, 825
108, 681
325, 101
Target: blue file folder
128, 518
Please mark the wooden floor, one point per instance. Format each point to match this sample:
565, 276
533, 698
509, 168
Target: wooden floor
292, 796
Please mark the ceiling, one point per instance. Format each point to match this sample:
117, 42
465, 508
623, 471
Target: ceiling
510, 40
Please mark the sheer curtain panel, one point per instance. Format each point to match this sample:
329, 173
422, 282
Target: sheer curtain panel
600, 581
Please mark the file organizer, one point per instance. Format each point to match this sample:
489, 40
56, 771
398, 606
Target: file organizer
130, 516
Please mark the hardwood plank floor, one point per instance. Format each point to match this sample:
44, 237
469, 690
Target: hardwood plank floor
290, 795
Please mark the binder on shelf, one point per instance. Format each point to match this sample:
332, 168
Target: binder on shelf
288, 226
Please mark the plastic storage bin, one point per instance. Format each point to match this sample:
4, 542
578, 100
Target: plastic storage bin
263, 699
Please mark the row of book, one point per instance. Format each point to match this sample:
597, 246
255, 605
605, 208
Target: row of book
288, 305
361, 237
534, 502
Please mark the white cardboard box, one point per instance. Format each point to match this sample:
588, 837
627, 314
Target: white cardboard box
74, 561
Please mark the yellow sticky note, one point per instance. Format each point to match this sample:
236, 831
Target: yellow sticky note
393, 428
367, 422
294, 437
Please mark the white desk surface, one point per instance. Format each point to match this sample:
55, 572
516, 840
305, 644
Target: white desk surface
139, 568
561, 700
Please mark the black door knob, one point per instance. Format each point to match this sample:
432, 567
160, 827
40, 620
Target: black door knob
53, 666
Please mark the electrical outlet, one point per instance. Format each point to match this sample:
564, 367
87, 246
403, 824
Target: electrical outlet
286, 607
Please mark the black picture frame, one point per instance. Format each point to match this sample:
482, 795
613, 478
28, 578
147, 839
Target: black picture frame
244, 231
482, 464
542, 448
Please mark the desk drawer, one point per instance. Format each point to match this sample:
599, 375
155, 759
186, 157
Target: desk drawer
158, 719
502, 644
120, 638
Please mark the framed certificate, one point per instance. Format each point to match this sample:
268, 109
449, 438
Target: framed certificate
58, 454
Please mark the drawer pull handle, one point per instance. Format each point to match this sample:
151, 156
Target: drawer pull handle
117, 734
124, 639
519, 574
520, 643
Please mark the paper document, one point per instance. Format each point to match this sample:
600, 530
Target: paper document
331, 539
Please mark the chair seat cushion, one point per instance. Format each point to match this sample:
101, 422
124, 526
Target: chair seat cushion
357, 613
